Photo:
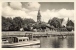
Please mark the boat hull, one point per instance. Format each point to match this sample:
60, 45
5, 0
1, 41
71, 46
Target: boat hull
20, 44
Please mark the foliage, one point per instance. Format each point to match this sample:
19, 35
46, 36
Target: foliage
6, 23
28, 21
17, 22
41, 25
9, 24
70, 25
69, 28
56, 22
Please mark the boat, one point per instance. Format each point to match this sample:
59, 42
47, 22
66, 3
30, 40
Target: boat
62, 37
13, 42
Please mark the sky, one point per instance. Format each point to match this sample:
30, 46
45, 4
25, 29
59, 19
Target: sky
48, 10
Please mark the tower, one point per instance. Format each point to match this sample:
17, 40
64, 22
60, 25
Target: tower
38, 17
67, 22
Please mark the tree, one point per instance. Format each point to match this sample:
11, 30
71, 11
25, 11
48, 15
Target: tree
3, 23
9, 24
40, 26
63, 26
17, 23
36, 26
56, 22
28, 23
43, 25
61, 20
6, 23
26, 28
70, 25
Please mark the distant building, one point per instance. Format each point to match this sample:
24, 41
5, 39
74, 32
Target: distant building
39, 17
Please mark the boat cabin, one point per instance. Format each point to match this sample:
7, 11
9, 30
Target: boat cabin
17, 39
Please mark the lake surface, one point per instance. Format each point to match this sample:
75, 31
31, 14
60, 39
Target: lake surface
55, 42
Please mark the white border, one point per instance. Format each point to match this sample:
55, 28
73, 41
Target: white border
39, 1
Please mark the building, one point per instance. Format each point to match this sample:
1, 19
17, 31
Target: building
39, 17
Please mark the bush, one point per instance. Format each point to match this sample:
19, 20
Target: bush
69, 28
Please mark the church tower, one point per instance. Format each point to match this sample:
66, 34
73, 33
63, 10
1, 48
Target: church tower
39, 17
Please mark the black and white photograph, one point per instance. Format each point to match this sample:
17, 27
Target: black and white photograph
37, 25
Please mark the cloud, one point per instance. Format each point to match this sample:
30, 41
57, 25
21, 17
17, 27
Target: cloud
24, 9
16, 9
13, 10
32, 5
6, 11
16, 5
62, 13
33, 14
49, 14
66, 13
4, 4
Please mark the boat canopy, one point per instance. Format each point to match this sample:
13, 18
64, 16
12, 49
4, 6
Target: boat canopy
17, 39
22, 37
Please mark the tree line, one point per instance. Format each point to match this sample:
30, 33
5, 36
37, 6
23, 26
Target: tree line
57, 23
9, 24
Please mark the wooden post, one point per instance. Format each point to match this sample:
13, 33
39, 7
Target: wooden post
32, 36
47, 34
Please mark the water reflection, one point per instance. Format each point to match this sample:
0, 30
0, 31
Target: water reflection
55, 42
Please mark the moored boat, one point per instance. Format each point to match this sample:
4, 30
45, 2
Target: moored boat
13, 42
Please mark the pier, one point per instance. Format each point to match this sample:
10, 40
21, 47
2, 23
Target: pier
36, 34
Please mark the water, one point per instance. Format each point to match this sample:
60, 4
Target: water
55, 42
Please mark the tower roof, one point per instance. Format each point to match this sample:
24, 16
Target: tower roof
39, 15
